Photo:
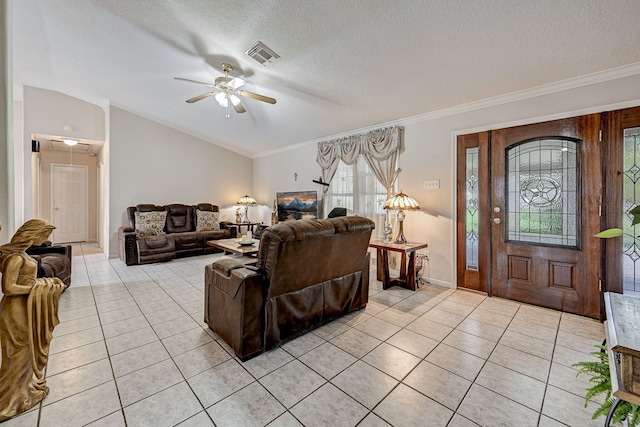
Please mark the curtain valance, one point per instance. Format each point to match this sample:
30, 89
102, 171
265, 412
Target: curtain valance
379, 147
379, 144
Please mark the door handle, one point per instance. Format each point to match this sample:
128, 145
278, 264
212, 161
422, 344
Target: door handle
56, 209
497, 220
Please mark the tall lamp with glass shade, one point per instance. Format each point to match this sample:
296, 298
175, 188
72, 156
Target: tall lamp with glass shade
401, 202
246, 201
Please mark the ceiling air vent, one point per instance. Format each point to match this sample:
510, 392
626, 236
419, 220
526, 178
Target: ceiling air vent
80, 147
262, 53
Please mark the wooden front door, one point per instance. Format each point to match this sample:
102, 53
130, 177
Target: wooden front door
543, 210
545, 188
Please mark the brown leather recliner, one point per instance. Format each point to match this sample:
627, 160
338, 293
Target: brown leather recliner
181, 238
308, 273
53, 260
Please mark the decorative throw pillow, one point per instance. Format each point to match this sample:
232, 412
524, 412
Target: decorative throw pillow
150, 223
207, 221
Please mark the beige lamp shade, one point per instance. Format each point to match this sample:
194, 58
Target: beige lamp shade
401, 202
246, 201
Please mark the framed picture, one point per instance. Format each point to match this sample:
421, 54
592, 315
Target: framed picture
295, 205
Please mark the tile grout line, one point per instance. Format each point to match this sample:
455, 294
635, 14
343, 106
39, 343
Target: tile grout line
159, 278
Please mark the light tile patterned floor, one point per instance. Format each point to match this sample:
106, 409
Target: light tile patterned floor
132, 350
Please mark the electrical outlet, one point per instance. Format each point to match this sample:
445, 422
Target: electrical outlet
431, 184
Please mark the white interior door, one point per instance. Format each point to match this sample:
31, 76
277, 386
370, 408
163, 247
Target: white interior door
69, 195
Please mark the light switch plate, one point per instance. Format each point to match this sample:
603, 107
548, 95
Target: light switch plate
431, 184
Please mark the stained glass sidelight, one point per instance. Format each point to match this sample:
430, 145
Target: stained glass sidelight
472, 208
631, 193
542, 188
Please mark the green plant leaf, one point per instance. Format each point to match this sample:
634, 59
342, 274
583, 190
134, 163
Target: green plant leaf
609, 233
601, 384
636, 215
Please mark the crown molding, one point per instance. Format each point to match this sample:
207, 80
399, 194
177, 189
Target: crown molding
548, 117
586, 80
330, 138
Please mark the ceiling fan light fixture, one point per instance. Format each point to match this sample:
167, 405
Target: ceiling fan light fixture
227, 92
234, 99
221, 97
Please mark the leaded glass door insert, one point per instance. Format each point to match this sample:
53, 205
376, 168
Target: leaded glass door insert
542, 192
471, 208
472, 205
631, 199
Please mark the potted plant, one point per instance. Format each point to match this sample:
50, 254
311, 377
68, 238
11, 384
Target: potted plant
599, 369
601, 380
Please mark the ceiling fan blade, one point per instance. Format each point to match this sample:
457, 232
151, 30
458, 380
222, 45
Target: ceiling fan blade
200, 97
193, 81
256, 96
239, 108
236, 82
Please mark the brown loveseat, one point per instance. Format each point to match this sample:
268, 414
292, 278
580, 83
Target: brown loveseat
308, 273
179, 237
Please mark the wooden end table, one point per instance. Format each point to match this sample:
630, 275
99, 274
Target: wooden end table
238, 227
407, 277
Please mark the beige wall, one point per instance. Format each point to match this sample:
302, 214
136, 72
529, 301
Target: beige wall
47, 112
430, 154
143, 161
152, 163
47, 158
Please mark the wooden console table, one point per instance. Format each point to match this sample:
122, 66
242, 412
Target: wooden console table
622, 330
407, 277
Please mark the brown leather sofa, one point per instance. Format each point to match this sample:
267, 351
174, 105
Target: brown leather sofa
53, 261
308, 273
181, 238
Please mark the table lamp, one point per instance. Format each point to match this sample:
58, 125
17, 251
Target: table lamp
401, 202
246, 201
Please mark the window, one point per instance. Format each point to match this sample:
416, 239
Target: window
542, 185
355, 187
631, 199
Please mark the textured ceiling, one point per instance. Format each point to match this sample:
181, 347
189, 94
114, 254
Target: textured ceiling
344, 65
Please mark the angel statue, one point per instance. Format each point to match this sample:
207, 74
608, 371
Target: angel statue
28, 314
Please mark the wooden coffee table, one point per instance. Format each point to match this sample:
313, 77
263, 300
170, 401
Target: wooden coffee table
233, 246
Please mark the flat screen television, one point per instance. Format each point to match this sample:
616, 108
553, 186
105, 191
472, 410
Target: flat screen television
293, 205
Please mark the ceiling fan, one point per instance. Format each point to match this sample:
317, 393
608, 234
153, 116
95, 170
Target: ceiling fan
228, 91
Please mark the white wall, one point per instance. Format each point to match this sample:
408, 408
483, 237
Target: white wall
6, 100
144, 161
152, 163
430, 154
47, 112
104, 185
